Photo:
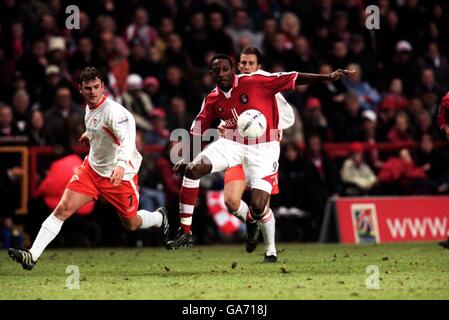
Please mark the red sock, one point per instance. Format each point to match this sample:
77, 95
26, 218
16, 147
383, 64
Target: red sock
188, 196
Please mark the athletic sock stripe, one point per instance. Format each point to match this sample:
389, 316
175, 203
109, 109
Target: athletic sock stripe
267, 217
186, 208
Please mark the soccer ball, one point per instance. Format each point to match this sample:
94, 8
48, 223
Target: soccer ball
252, 123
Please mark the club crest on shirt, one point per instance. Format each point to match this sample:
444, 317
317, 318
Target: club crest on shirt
244, 98
95, 120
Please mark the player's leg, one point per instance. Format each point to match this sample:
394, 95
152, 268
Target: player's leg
198, 168
257, 210
217, 156
125, 198
70, 202
268, 229
261, 170
234, 187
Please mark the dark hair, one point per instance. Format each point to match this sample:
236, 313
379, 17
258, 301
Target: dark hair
254, 51
90, 74
221, 56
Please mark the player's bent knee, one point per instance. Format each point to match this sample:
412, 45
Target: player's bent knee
130, 225
62, 210
195, 171
257, 211
232, 204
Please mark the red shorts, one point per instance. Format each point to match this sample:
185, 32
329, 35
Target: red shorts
238, 174
125, 197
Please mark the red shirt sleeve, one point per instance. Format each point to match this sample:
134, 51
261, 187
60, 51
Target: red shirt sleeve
443, 120
204, 118
277, 82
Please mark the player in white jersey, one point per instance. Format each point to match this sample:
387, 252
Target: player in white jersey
110, 170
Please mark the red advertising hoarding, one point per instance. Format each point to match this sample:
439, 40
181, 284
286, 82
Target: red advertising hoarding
392, 219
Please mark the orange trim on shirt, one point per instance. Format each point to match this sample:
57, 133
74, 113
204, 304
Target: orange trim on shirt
112, 135
99, 103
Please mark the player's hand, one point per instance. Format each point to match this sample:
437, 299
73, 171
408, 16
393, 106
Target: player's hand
117, 176
180, 167
340, 73
84, 140
221, 128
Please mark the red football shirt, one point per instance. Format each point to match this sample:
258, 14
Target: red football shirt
249, 91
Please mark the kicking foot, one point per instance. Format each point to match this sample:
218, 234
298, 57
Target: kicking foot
23, 257
165, 227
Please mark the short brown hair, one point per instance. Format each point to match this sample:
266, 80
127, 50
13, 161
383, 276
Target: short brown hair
90, 74
254, 51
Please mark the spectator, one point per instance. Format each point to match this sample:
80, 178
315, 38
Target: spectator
38, 132
321, 180
434, 60
195, 38
400, 176
8, 128
140, 29
435, 163
347, 126
367, 96
218, 39
138, 102
159, 134
65, 119
304, 58
241, 27
387, 110
21, 103
357, 176
84, 56
314, 120
291, 27
178, 117
331, 93
369, 125
401, 132
176, 55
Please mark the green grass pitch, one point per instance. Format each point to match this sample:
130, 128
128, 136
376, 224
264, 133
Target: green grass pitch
304, 271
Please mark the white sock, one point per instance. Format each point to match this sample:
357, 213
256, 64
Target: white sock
49, 230
241, 211
268, 228
150, 219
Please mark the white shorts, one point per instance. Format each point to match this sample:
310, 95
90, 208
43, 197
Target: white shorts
260, 161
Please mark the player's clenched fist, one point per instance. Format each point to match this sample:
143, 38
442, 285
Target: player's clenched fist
117, 175
340, 73
84, 139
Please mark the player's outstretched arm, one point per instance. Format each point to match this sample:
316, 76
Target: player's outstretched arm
306, 78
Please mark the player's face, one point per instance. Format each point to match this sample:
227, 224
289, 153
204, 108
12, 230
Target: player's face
223, 73
92, 91
248, 63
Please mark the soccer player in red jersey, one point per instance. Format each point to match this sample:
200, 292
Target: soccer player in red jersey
233, 95
110, 170
235, 179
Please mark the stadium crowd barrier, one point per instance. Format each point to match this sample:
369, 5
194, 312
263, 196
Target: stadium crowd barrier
359, 220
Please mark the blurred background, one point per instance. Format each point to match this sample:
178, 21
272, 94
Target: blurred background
373, 134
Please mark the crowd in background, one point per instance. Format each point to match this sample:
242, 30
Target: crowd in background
155, 57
